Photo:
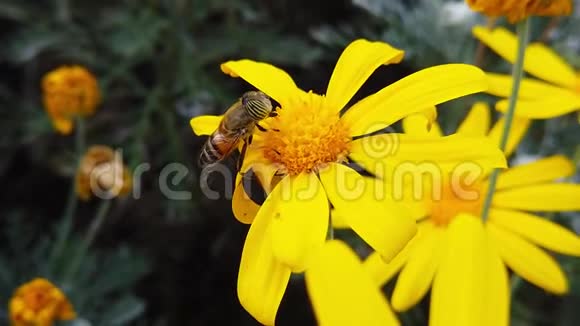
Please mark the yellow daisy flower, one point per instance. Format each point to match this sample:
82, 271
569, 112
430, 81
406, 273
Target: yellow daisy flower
464, 259
39, 303
516, 10
556, 92
69, 91
356, 300
299, 160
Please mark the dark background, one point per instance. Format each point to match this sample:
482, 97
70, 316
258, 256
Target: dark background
165, 262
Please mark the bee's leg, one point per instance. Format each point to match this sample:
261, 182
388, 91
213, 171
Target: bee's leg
243, 154
273, 114
262, 129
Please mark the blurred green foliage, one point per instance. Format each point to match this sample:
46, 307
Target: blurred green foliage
166, 262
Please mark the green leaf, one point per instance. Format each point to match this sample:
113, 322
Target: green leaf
137, 35
25, 45
123, 311
14, 11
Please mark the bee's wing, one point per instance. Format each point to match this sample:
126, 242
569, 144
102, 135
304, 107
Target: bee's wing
226, 145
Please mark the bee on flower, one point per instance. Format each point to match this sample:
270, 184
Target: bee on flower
39, 303
301, 160
516, 10
69, 92
237, 125
555, 92
102, 172
463, 259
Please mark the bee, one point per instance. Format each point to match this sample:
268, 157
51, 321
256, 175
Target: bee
237, 125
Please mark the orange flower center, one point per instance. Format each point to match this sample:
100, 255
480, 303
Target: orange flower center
454, 199
306, 137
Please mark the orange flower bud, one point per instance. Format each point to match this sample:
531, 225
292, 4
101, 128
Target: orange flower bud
101, 172
39, 303
69, 91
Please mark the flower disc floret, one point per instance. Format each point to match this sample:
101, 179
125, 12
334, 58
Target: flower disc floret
306, 138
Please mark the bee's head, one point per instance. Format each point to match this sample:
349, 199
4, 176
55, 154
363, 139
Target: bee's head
258, 104
255, 96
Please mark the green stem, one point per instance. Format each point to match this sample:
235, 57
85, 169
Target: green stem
97, 222
80, 136
523, 29
63, 10
71, 205
90, 236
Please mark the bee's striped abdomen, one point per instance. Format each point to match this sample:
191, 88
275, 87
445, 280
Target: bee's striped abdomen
216, 148
209, 153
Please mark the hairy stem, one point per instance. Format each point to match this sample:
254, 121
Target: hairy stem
523, 28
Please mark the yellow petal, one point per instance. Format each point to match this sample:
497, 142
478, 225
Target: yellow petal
543, 170
416, 209
502, 41
501, 85
271, 80
518, 130
243, 207
546, 64
338, 219
415, 278
356, 63
300, 227
262, 279
381, 271
413, 94
497, 291
205, 124
537, 230
381, 222
418, 124
545, 197
355, 301
263, 170
539, 61
406, 153
528, 261
470, 287
545, 108
477, 122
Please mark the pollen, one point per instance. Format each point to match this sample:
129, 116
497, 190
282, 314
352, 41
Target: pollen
306, 137
456, 199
